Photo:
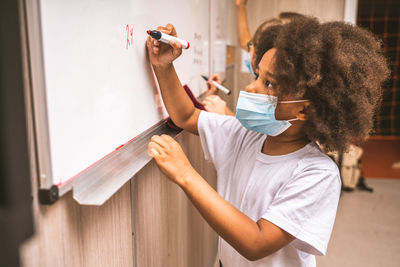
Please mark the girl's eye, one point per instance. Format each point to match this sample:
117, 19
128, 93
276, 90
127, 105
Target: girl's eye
268, 84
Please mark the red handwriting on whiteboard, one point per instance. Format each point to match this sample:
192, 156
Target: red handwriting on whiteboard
129, 36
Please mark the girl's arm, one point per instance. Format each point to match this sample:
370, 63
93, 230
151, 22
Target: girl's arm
177, 102
243, 26
253, 240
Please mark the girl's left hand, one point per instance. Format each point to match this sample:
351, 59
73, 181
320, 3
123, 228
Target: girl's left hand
170, 158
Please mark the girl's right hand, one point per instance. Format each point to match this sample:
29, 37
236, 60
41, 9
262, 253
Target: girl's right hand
161, 54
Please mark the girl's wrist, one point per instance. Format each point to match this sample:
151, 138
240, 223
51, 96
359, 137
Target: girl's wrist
185, 178
162, 67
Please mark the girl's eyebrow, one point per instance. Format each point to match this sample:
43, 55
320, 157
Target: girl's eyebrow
267, 73
270, 77
270, 74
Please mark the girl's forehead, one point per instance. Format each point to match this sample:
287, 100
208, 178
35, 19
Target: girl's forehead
267, 61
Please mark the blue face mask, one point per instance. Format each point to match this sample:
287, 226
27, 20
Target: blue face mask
249, 67
256, 112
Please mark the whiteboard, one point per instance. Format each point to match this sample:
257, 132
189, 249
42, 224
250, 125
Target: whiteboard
99, 91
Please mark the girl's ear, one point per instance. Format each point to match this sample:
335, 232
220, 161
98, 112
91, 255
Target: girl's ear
303, 111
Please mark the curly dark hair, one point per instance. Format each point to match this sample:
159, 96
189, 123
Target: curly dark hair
338, 67
265, 41
265, 35
261, 30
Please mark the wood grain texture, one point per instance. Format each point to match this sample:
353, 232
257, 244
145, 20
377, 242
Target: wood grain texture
68, 234
169, 230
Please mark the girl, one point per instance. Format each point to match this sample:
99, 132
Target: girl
277, 192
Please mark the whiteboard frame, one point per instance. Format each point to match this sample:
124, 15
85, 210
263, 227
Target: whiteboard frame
38, 94
97, 183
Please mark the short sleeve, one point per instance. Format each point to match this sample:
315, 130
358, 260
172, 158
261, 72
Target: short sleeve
306, 208
219, 135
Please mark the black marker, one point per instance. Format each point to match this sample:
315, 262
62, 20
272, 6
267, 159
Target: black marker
165, 38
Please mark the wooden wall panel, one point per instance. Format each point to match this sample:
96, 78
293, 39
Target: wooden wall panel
55, 232
106, 231
68, 234
169, 230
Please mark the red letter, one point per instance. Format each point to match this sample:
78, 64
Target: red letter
127, 38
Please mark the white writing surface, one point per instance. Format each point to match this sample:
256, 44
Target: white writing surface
100, 91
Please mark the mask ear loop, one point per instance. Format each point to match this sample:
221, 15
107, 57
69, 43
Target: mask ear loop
293, 101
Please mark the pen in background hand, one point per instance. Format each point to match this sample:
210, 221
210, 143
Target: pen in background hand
219, 86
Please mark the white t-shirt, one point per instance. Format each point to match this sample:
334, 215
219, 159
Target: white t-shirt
298, 192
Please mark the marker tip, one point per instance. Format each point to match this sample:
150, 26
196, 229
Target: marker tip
148, 32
